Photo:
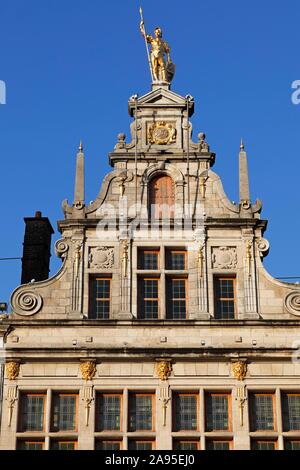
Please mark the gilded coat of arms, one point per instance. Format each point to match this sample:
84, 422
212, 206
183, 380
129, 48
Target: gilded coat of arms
161, 133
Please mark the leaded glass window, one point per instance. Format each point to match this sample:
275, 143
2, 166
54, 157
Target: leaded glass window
176, 298
140, 412
176, 260
63, 445
263, 445
32, 412
262, 412
224, 298
101, 294
30, 445
217, 412
64, 412
185, 412
108, 445
291, 412
149, 294
149, 259
140, 445
186, 445
109, 412
292, 445
217, 445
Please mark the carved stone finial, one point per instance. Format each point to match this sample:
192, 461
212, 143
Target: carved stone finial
203, 145
163, 369
239, 369
12, 370
80, 147
88, 370
242, 146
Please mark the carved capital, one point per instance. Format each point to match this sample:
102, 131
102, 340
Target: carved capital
88, 370
164, 369
239, 369
12, 370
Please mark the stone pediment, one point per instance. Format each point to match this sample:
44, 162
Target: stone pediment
160, 97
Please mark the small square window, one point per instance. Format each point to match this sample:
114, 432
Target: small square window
176, 260
148, 259
261, 444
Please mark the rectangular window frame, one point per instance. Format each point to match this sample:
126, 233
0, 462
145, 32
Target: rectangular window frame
169, 300
263, 440
140, 263
284, 395
229, 407
142, 299
252, 414
142, 441
110, 441
174, 420
97, 417
20, 415
142, 431
168, 256
65, 441
94, 300
221, 277
68, 394
30, 441
178, 441
221, 439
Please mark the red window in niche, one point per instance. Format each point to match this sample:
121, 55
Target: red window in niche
162, 197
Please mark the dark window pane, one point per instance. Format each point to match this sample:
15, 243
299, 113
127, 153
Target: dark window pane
108, 445
109, 413
64, 413
176, 299
63, 445
176, 260
291, 412
292, 445
217, 445
186, 412
148, 293
32, 413
186, 445
148, 260
101, 299
140, 445
140, 413
217, 413
263, 445
224, 299
26, 445
262, 413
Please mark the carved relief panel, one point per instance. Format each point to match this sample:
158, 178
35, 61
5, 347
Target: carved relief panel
224, 257
101, 257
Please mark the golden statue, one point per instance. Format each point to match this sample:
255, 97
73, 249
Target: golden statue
161, 70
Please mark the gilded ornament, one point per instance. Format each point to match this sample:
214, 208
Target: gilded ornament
88, 370
239, 370
161, 133
164, 369
12, 370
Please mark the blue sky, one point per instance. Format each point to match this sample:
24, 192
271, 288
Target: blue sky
71, 65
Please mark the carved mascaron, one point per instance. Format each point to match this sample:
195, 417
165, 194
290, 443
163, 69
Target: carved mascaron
12, 370
88, 370
163, 369
239, 370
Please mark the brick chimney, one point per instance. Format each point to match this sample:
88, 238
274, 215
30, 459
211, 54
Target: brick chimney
36, 248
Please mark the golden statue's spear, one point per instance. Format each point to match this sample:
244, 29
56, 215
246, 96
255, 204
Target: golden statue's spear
145, 36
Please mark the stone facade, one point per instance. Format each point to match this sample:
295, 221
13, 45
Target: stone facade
53, 343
